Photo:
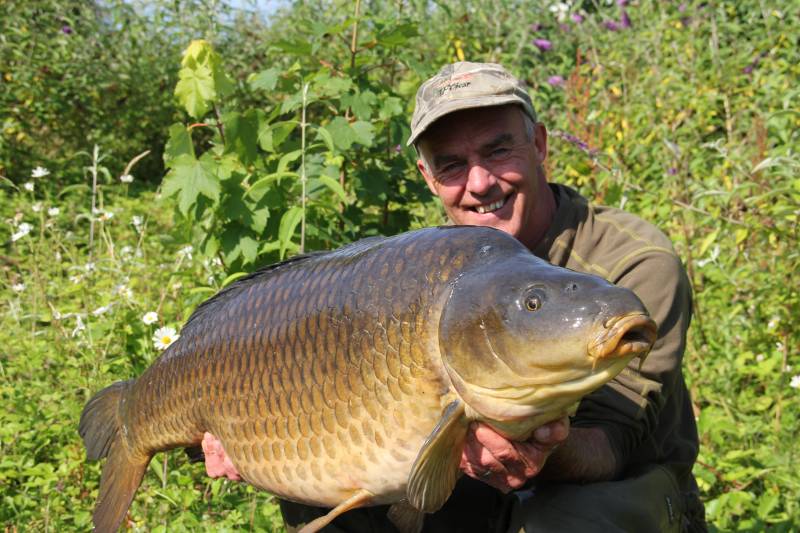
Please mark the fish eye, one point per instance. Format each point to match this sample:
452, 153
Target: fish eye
533, 302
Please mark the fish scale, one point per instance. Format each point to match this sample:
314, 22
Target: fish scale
349, 378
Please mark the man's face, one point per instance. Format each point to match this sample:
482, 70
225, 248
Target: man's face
487, 173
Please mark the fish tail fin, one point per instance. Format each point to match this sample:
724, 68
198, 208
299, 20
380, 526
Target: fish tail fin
101, 430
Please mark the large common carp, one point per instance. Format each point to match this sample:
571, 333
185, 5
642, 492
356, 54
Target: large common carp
348, 378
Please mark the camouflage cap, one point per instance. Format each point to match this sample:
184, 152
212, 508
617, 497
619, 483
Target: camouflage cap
466, 85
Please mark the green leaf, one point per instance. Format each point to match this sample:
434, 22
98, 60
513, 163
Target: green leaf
343, 135
281, 130
289, 221
398, 35
325, 136
266, 80
233, 277
201, 80
265, 137
190, 177
249, 247
204, 291
195, 90
364, 133
260, 187
707, 242
298, 46
333, 185
287, 159
237, 206
178, 143
241, 135
391, 107
360, 103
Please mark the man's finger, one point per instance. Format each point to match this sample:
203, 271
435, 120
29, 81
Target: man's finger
552, 433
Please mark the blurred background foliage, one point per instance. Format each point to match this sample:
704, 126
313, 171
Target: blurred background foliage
267, 130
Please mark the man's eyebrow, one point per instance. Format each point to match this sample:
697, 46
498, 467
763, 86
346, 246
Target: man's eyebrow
501, 139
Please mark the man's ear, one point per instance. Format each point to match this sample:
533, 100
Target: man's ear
540, 141
428, 177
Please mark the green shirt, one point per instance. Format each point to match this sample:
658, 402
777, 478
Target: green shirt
646, 414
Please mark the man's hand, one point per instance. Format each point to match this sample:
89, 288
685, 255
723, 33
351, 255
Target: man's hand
507, 465
218, 463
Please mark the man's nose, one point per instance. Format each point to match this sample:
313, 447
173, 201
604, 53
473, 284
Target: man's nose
480, 179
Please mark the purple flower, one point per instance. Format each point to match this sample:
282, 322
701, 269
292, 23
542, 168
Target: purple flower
672, 171
555, 81
611, 25
66, 30
543, 44
625, 21
564, 27
536, 27
622, 3
682, 7
577, 18
748, 69
398, 149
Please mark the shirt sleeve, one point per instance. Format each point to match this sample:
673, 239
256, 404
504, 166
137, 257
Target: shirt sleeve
631, 406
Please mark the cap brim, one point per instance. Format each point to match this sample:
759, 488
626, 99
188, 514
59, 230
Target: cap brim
459, 105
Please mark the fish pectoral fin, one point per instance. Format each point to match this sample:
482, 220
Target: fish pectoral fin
436, 467
359, 498
405, 517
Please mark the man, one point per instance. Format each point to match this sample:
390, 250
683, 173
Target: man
625, 463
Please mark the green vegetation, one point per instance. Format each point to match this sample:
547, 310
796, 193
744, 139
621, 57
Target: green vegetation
266, 138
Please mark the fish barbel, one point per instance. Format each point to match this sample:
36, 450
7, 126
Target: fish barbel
349, 378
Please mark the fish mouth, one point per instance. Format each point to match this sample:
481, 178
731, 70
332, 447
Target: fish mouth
626, 336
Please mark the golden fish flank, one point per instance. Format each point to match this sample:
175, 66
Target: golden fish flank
348, 378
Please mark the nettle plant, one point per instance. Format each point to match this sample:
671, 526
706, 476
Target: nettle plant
319, 164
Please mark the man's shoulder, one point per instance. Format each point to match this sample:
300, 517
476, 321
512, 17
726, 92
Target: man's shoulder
613, 240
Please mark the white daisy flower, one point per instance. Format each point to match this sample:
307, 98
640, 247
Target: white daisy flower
137, 222
22, 230
88, 267
18, 287
186, 252
102, 310
36, 207
150, 317
126, 178
78, 326
760, 357
39, 172
795, 383
165, 336
28, 186
53, 211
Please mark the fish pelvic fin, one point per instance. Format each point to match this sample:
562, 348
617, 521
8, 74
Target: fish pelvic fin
359, 498
100, 428
405, 517
436, 468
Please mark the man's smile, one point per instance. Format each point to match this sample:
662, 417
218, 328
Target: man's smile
494, 206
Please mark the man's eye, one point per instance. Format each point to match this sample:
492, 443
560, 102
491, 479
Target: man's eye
449, 171
500, 152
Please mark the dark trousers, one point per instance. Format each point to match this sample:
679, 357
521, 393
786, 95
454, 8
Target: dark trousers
648, 500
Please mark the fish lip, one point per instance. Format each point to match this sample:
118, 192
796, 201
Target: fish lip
623, 335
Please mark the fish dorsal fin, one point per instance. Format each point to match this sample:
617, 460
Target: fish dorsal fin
436, 467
